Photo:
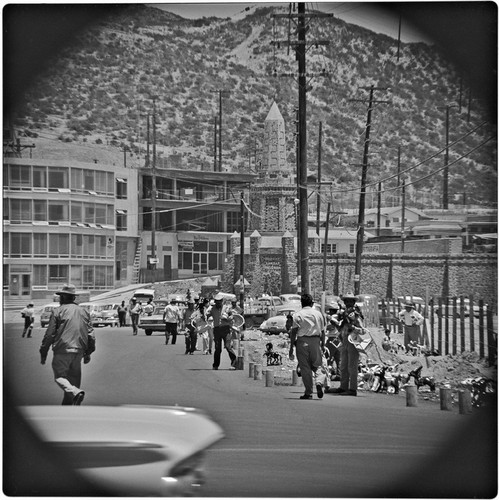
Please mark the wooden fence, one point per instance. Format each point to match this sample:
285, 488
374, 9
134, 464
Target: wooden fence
452, 324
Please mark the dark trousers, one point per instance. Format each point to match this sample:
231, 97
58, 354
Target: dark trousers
135, 322
171, 330
191, 339
122, 318
334, 357
28, 326
349, 366
222, 337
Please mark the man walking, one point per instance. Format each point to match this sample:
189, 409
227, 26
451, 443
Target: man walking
135, 311
70, 334
308, 333
171, 317
412, 322
28, 314
222, 322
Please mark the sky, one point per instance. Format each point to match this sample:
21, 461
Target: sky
365, 14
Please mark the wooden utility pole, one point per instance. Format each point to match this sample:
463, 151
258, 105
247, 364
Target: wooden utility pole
301, 49
153, 189
221, 92
319, 178
241, 258
402, 220
326, 236
378, 219
362, 199
215, 147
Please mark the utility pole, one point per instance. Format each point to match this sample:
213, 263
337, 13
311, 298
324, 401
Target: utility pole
241, 258
301, 48
362, 199
326, 236
148, 159
445, 181
215, 147
221, 92
319, 175
153, 189
402, 220
378, 220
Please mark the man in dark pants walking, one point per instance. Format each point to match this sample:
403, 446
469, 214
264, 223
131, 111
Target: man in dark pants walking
70, 334
222, 322
308, 332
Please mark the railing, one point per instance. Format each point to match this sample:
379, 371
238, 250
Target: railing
452, 325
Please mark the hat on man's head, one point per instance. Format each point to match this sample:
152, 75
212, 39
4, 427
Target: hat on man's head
30, 304
218, 296
67, 289
410, 304
349, 296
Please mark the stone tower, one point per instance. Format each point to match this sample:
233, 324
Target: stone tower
273, 194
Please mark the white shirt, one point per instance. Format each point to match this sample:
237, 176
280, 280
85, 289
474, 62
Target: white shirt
310, 322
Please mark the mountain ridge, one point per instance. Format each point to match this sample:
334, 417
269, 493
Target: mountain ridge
97, 94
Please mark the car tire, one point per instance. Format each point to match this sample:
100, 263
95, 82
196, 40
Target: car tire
148, 332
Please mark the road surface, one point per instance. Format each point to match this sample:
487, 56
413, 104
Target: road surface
277, 445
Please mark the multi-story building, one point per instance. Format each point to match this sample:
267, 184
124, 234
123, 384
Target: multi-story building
66, 221
196, 213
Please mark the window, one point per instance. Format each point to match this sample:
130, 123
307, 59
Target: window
88, 180
20, 177
88, 276
100, 276
352, 248
39, 275
39, 245
101, 246
121, 220
101, 182
121, 188
20, 211
6, 209
77, 179
20, 245
89, 213
58, 274
40, 210
58, 178
88, 245
233, 221
76, 272
58, 211
58, 245
40, 177
77, 245
76, 211
100, 214
6, 247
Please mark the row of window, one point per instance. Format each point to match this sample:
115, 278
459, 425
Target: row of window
28, 177
25, 211
83, 277
55, 245
201, 256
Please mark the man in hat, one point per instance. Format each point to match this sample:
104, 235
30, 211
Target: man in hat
412, 321
350, 323
222, 322
171, 317
135, 312
70, 334
191, 337
28, 313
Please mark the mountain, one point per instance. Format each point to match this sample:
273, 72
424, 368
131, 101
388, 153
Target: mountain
93, 96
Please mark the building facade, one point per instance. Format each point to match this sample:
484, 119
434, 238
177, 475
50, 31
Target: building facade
67, 222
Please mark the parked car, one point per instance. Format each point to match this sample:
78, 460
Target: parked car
105, 315
153, 322
261, 309
133, 451
46, 312
277, 324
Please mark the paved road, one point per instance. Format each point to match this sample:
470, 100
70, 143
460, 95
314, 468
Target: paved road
277, 445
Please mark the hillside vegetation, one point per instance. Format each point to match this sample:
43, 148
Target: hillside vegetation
92, 102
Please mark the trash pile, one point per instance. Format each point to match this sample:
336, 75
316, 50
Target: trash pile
386, 372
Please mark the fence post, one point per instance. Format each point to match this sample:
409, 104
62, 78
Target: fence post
491, 343
439, 324
257, 372
472, 328
269, 377
464, 401
445, 398
411, 392
294, 378
251, 369
481, 336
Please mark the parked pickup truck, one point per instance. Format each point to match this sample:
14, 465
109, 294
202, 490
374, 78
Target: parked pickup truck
256, 312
